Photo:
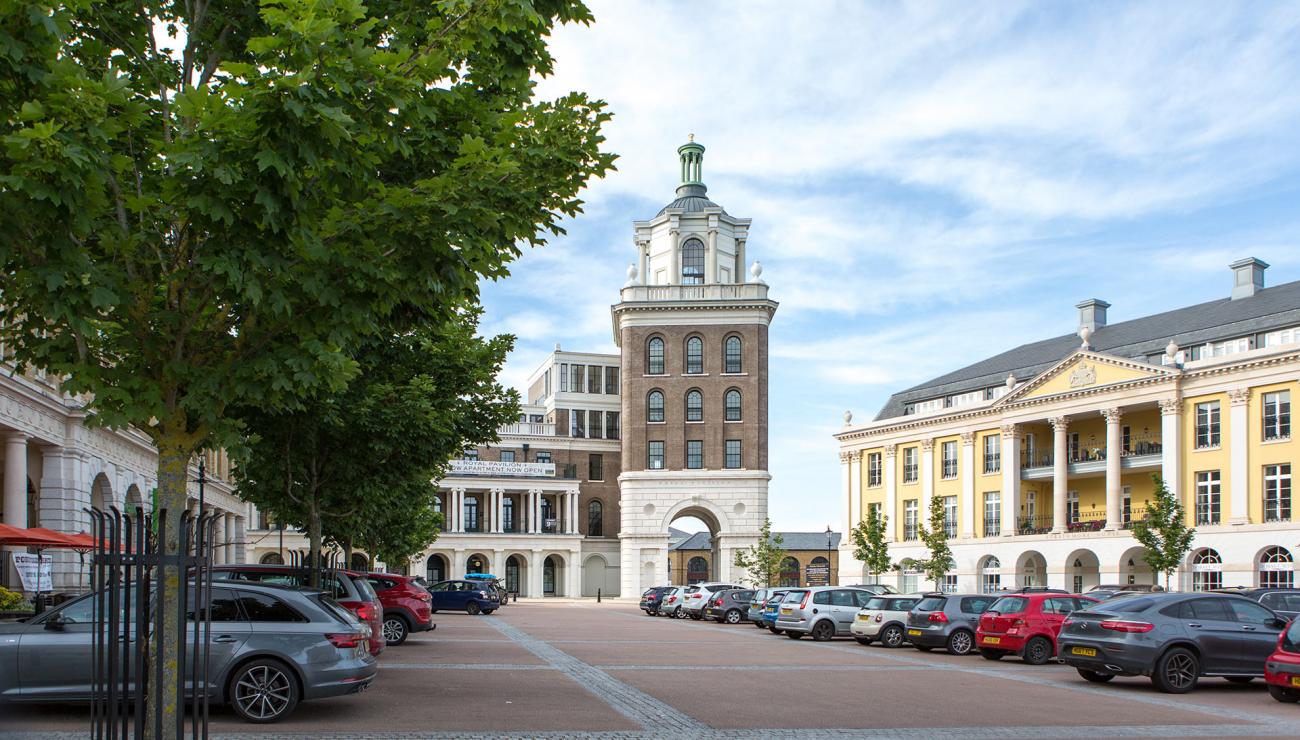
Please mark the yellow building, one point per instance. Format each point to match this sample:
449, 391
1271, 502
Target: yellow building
1043, 455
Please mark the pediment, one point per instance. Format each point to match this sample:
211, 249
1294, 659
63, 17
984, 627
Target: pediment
1086, 370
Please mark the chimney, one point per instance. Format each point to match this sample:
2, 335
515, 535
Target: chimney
1247, 277
1092, 314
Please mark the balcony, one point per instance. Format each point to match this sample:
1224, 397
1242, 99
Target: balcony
710, 292
1146, 455
992, 527
530, 428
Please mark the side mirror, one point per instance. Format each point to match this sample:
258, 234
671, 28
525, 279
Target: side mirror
54, 623
1280, 622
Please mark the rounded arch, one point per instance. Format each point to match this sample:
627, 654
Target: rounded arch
1082, 570
788, 573
1275, 568
436, 568
706, 511
555, 571
1207, 569
818, 571
1031, 569
516, 575
733, 354
990, 573
654, 355
654, 405
478, 563
732, 405
1133, 568
694, 356
360, 562
271, 558
692, 261
595, 576
697, 569
135, 499
101, 493
694, 402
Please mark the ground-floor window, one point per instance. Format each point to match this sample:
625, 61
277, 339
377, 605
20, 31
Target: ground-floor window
476, 564
1207, 570
436, 569
949, 584
789, 572
548, 577
991, 575
1276, 568
512, 575
697, 570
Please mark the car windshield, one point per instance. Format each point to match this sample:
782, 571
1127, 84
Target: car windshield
875, 603
930, 604
1009, 605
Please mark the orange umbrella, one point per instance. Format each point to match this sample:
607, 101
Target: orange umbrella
35, 537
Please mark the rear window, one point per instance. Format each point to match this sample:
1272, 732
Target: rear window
1131, 605
876, 603
1282, 601
1009, 605
267, 608
902, 605
692, 589
335, 609
367, 592
930, 604
793, 597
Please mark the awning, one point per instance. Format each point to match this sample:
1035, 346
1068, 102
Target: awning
39, 537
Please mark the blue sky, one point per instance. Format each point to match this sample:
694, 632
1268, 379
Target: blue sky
930, 184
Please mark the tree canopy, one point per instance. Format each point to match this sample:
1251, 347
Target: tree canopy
870, 545
761, 561
1163, 532
938, 554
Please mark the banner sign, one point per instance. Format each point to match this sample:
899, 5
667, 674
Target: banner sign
29, 566
490, 467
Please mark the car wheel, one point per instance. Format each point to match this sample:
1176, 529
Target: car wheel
263, 691
823, 631
793, 635
1094, 676
697, 616
733, 617
395, 630
1286, 696
863, 640
892, 637
1038, 651
961, 642
1176, 672
760, 625
1240, 679
472, 608
772, 628
678, 613
991, 654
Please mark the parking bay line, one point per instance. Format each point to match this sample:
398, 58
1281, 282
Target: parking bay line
638, 706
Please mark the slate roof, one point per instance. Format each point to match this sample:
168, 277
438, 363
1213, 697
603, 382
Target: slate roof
790, 541
1271, 308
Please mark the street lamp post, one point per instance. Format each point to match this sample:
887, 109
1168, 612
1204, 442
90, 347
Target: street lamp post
829, 535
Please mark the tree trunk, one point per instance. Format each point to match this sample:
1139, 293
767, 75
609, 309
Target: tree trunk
174, 452
347, 553
314, 539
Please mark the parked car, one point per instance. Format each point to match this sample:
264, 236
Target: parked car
301, 644
821, 611
730, 606
1026, 625
1282, 669
884, 618
771, 609
671, 603
754, 614
1175, 638
493, 583
406, 606
652, 598
697, 597
348, 587
1284, 601
471, 597
947, 621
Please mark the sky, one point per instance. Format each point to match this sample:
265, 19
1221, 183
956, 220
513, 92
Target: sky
930, 184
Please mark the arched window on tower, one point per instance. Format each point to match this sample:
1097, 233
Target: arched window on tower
693, 262
731, 355
655, 356
694, 406
733, 405
595, 519
655, 406
694, 355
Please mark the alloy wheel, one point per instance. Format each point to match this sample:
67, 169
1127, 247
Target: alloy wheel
960, 643
1180, 671
263, 692
893, 637
394, 631
733, 617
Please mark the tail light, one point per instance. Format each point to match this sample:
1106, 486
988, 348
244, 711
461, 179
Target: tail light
424, 596
880, 617
1067, 622
346, 639
1018, 623
938, 617
804, 601
717, 602
364, 611
1123, 626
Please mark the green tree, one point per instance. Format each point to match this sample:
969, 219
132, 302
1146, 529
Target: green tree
938, 560
761, 561
869, 544
206, 206
1163, 532
359, 467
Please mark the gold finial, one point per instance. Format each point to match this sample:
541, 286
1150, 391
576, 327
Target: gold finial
690, 137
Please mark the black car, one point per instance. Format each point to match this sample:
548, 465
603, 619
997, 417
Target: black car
652, 598
1284, 601
1174, 638
731, 606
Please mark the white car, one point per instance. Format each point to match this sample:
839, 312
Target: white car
697, 597
671, 603
884, 619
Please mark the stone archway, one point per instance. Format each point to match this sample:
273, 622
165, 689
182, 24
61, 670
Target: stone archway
1031, 569
135, 499
1082, 571
437, 568
554, 576
516, 575
593, 576
1133, 568
101, 493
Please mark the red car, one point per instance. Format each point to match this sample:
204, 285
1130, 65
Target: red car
348, 587
406, 606
1282, 670
1026, 625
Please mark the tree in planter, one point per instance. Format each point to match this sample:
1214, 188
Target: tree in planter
869, 542
761, 561
359, 467
1163, 532
938, 560
215, 219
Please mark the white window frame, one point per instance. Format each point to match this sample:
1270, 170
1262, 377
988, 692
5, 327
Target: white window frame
1276, 415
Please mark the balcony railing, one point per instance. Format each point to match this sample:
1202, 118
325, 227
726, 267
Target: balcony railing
1092, 454
1134, 514
1087, 521
910, 533
1038, 524
533, 428
709, 292
992, 527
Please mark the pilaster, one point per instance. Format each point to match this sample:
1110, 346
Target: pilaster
967, 470
1239, 455
1010, 496
891, 494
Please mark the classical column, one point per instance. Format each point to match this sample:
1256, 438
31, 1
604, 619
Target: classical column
1239, 455
676, 264
642, 257
1010, 504
534, 512
498, 513
573, 513
573, 576
967, 471
15, 479
711, 258
1171, 449
1060, 471
238, 553
219, 538
535, 561
891, 495
458, 509
1114, 456
927, 478
740, 261
847, 476
855, 488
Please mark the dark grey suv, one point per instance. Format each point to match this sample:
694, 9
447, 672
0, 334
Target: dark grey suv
947, 621
1173, 638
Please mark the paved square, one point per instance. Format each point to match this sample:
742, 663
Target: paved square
592, 670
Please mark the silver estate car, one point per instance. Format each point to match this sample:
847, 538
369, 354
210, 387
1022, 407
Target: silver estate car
821, 611
271, 647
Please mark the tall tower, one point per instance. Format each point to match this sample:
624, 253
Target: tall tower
692, 327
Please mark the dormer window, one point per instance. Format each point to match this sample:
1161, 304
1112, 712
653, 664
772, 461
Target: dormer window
693, 262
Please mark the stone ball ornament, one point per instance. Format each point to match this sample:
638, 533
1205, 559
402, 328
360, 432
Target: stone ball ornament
631, 276
848, 418
756, 270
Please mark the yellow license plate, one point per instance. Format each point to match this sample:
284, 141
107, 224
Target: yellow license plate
1087, 652
864, 617
787, 610
992, 640
1295, 680
914, 633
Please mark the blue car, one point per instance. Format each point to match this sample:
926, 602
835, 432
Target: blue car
770, 608
472, 597
755, 612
